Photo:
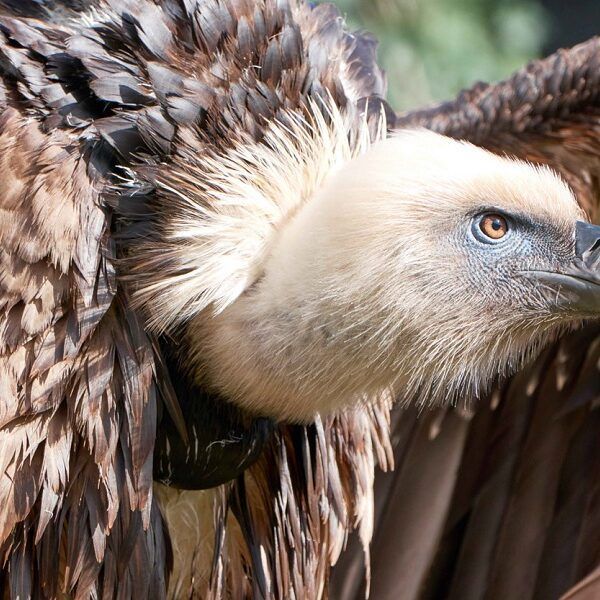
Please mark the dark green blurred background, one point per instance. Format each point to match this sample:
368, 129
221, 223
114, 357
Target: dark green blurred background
433, 48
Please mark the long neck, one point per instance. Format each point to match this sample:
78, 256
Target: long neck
291, 360
310, 334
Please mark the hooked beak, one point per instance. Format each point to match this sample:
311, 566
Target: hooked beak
576, 289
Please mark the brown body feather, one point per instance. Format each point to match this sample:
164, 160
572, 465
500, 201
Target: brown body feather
79, 374
80, 398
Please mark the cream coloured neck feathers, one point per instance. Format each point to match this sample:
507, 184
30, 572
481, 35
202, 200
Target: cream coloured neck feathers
318, 270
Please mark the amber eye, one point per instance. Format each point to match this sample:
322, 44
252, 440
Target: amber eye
493, 226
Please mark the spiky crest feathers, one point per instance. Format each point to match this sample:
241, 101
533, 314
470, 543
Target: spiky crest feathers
222, 209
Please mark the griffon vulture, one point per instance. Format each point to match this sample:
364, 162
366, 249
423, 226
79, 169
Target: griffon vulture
222, 256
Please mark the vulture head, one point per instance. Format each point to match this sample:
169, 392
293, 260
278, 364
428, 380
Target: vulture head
318, 268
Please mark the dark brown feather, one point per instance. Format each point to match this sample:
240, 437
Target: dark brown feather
78, 373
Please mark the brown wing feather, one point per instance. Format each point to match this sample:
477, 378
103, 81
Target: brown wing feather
547, 112
77, 371
293, 510
523, 518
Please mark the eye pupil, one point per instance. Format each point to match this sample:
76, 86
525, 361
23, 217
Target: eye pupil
493, 226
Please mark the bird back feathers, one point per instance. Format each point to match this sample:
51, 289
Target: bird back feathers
83, 95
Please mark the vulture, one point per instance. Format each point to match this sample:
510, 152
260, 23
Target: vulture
223, 256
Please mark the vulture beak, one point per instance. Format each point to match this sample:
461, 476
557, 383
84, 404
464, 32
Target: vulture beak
576, 289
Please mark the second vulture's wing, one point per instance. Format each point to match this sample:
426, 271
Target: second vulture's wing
505, 502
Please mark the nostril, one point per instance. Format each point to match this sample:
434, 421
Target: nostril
595, 246
587, 237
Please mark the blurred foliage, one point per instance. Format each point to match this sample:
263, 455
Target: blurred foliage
431, 49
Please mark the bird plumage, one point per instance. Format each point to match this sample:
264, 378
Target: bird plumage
84, 384
110, 97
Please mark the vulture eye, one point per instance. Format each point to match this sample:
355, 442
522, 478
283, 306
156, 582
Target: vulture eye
493, 226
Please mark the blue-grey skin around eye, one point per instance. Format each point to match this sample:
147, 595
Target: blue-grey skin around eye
563, 264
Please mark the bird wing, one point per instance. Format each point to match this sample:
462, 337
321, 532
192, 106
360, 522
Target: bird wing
504, 502
83, 383
77, 373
